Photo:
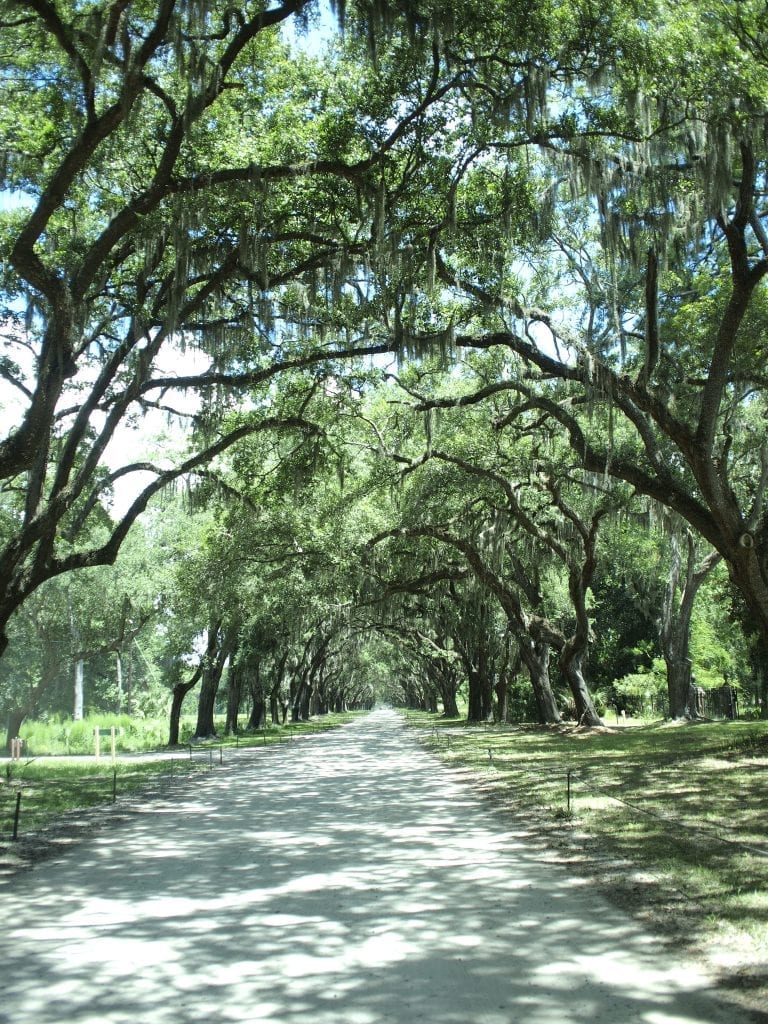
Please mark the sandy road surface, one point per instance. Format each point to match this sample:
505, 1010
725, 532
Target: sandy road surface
348, 879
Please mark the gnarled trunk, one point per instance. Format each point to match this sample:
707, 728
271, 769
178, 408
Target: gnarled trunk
535, 657
258, 713
480, 703
213, 667
180, 691
448, 688
571, 662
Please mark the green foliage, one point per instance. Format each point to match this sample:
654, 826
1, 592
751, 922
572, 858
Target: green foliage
642, 694
548, 214
60, 736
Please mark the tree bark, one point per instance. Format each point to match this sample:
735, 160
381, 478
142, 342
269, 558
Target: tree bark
180, 691
448, 689
480, 702
571, 662
298, 699
535, 657
274, 693
501, 696
257, 717
274, 708
258, 713
212, 672
675, 627
506, 667
306, 703
206, 702
234, 696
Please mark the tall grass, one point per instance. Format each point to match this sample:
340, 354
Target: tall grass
132, 735
136, 735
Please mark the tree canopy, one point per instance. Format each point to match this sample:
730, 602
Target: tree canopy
432, 300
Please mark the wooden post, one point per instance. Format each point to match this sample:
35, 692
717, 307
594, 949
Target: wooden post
112, 740
16, 815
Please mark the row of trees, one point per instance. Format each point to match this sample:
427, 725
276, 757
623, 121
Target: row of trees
388, 555
566, 205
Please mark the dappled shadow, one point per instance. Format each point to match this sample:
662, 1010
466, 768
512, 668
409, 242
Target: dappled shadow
346, 879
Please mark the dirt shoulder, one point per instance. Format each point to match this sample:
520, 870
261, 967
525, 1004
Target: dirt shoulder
737, 964
78, 826
739, 968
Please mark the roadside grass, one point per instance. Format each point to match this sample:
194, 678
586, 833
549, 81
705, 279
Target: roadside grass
53, 786
50, 790
136, 735
675, 816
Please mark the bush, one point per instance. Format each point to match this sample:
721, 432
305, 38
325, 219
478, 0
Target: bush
640, 694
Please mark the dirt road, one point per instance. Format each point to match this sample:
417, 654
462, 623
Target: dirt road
348, 879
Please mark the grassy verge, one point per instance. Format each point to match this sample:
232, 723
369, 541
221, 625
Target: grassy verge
53, 786
136, 735
673, 819
49, 791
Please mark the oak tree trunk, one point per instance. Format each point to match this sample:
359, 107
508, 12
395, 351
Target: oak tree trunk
448, 697
212, 673
480, 703
258, 713
571, 662
13, 723
180, 691
234, 698
535, 657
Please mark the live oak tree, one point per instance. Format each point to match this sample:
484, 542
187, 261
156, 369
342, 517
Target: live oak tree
688, 570
281, 551
580, 184
187, 184
642, 341
518, 521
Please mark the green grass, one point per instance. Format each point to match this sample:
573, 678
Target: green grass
50, 789
55, 738
136, 735
52, 785
685, 805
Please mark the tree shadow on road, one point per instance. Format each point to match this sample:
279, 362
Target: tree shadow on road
346, 879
